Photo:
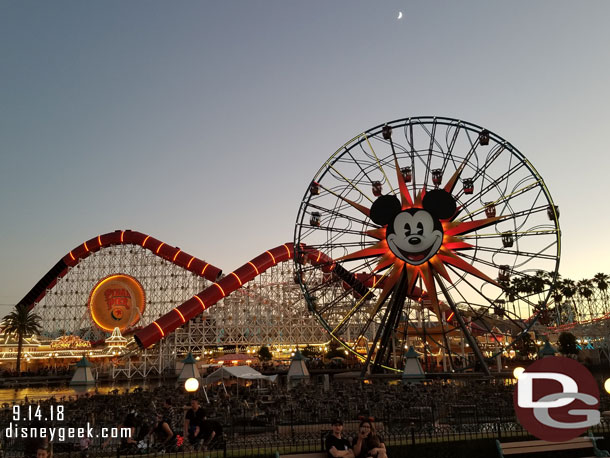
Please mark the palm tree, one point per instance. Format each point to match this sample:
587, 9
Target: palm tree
585, 289
539, 281
568, 289
602, 281
21, 322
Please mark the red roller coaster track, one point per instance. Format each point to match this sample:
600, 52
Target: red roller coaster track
169, 322
203, 300
128, 237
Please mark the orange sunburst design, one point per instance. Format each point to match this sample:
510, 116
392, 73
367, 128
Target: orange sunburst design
447, 254
380, 247
378, 233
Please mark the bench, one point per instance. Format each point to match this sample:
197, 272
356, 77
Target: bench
527, 447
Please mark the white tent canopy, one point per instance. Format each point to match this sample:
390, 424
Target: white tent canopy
242, 372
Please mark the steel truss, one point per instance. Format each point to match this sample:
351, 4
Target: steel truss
581, 308
64, 308
269, 310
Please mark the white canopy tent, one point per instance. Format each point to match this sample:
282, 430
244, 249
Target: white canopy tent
240, 372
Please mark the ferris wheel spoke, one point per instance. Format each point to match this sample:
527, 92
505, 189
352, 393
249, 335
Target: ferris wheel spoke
450, 185
340, 215
354, 161
376, 158
465, 331
493, 155
490, 186
518, 233
488, 300
505, 200
451, 146
340, 230
430, 148
539, 255
361, 208
351, 184
354, 310
332, 246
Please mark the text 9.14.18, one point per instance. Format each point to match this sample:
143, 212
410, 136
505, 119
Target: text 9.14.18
35, 412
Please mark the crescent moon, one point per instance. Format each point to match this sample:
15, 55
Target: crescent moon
399, 15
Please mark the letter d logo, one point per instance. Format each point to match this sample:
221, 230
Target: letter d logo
525, 389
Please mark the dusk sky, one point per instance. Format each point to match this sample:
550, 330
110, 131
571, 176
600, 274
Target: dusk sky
202, 123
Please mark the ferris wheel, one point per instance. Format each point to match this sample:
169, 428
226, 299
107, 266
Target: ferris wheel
428, 232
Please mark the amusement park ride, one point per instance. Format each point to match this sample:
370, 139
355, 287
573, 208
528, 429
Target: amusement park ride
414, 233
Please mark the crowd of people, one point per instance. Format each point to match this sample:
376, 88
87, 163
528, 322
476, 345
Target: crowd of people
167, 418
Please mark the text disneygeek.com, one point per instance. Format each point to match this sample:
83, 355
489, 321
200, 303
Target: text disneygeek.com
61, 433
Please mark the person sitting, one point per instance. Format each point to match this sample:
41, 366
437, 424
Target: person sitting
193, 421
368, 443
336, 445
165, 438
211, 432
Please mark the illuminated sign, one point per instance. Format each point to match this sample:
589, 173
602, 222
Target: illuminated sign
69, 343
117, 301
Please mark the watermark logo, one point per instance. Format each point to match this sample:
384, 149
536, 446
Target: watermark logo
557, 399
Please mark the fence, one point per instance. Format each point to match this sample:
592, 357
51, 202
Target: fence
286, 438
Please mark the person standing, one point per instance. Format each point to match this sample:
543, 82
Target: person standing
336, 445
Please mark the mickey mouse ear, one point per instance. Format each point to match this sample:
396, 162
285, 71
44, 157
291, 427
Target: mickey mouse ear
440, 203
384, 209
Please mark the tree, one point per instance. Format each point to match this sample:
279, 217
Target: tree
602, 281
567, 344
21, 322
585, 289
264, 354
568, 289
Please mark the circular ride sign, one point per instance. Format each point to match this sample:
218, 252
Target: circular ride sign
117, 301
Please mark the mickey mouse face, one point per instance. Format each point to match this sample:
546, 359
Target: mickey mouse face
415, 234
